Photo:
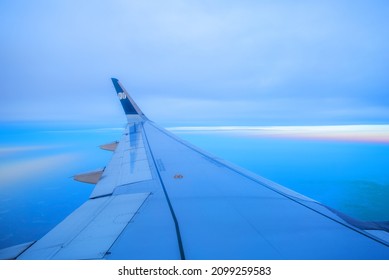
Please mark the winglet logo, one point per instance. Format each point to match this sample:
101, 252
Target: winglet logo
122, 95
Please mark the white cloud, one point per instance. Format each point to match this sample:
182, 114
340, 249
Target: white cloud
24, 170
61, 55
353, 133
17, 149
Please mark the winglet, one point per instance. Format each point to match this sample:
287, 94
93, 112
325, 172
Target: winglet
129, 106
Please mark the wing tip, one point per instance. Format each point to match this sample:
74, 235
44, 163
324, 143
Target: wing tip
129, 106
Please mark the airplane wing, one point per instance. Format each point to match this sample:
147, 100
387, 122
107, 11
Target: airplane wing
162, 198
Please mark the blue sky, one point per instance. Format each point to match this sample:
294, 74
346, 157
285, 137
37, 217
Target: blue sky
196, 62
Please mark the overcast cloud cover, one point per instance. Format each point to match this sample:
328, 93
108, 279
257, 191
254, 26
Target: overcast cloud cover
196, 62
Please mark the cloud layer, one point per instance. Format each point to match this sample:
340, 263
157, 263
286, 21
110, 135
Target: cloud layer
246, 62
350, 133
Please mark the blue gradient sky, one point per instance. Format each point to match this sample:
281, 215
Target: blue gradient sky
196, 62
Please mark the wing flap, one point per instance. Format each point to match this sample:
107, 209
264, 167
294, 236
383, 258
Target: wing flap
90, 231
129, 164
109, 146
13, 252
89, 177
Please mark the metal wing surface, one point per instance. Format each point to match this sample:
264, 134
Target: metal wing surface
162, 198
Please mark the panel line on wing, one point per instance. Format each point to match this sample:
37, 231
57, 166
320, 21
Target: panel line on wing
177, 227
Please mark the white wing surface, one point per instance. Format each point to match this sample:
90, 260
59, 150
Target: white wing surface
162, 198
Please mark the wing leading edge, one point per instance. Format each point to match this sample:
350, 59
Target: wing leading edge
162, 198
